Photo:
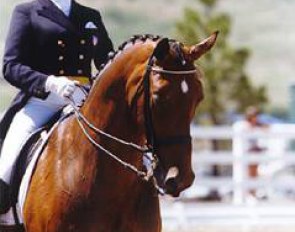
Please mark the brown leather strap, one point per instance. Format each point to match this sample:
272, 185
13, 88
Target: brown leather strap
82, 80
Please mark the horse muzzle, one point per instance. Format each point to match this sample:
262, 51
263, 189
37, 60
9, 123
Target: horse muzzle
175, 185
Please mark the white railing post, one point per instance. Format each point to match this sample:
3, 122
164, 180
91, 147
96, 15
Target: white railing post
239, 167
275, 139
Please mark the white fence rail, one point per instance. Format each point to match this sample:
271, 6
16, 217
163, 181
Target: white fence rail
276, 139
276, 156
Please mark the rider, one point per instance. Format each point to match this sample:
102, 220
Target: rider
49, 49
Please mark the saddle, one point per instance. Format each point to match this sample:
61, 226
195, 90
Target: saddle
30, 146
32, 149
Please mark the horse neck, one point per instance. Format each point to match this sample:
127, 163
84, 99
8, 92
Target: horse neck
108, 108
108, 104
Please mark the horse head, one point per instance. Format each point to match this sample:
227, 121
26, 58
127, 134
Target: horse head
173, 90
152, 84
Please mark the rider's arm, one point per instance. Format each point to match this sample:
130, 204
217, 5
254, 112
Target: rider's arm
16, 68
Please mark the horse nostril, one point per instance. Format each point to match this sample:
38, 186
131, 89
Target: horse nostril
176, 181
172, 187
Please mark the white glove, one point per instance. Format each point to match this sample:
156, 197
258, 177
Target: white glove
61, 86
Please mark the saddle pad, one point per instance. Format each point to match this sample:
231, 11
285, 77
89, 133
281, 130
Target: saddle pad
25, 184
8, 218
31, 167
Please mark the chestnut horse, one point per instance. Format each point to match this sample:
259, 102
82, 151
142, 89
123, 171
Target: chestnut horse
88, 181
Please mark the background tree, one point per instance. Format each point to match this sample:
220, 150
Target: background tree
227, 85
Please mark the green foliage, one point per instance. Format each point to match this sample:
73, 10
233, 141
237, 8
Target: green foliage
227, 85
209, 3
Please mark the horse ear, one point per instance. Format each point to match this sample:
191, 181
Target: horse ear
201, 48
162, 49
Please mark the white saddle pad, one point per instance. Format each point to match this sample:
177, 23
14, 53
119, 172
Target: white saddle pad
8, 218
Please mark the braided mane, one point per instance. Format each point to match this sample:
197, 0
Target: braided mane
132, 40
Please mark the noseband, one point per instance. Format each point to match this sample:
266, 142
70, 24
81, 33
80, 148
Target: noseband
153, 142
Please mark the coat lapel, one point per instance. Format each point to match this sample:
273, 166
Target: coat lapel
51, 12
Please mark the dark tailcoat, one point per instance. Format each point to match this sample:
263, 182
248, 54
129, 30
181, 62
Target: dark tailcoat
43, 41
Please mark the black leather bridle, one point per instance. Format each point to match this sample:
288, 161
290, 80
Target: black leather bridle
153, 142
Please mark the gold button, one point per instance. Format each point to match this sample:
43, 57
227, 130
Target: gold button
82, 41
60, 58
61, 43
61, 72
81, 57
80, 71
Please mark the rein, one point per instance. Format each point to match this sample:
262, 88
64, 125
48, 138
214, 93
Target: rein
148, 151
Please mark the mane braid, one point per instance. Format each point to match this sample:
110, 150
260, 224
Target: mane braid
133, 40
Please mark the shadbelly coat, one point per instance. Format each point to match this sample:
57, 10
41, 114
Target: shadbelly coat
42, 41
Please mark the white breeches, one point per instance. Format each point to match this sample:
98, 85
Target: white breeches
32, 116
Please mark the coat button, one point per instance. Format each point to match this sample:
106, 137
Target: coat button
60, 58
61, 43
61, 72
80, 71
81, 57
82, 41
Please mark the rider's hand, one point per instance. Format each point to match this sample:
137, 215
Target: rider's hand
61, 86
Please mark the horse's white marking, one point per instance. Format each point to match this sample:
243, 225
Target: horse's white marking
184, 86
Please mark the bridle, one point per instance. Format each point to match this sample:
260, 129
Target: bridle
153, 141
148, 151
